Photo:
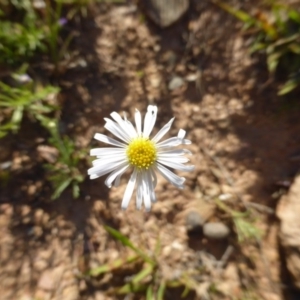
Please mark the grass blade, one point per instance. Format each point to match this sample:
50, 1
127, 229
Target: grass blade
161, 291
61, 188
112, 266
126, 242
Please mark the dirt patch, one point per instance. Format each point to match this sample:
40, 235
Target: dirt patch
245, 141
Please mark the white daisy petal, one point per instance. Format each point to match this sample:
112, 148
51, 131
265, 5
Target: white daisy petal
185, 142
131, 127
103, 162
102, 168
154, 177
176, 166
170, 176
95, 171
173, 142
112, 176
181, 133
106, 151
124, 124
151, 186
179, 159
129, 189
105, 139
94, 176
149, 121
139, 193
100, 162
173, 153
118, 180
163, 131
146, 194
138, 122
118, 131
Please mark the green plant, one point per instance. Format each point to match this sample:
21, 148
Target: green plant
53, 16
277, 36
64, 172
20, 41
29, 98
149, 280
32, 32
244, 224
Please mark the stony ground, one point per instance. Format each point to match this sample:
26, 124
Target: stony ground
245, 147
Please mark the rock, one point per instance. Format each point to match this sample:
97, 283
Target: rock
50, 279
288, 213
165, 13
40, 265
194, 221
38, 216
216, 230
175, 83
229, 285
46, 281
70, 292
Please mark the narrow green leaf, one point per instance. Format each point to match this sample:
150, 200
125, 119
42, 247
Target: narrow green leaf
246, 230
161, 291
273, 60
113, 266
149, 293
257, 47
17, 115
295, 48
76, 190
286, 40
239, 14
61, 188
126, 242
288, 87
157, 246
132, 288
185, 292
142, 274
294, 15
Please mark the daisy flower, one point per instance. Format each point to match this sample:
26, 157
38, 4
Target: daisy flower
144, 155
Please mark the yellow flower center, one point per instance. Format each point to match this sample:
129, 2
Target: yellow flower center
141, 153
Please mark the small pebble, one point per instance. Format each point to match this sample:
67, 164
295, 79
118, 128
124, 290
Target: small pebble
175, 83
194, 221
216, 231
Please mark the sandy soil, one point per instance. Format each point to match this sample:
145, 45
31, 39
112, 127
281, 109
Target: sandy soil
245, 143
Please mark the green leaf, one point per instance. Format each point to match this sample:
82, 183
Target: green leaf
272, 61
246, 230
142, 274
149, 293
185, 292
112, 266
76, 190
286, 40
288, 87
294, 15
61, 188
135, 284
295, 48
132, 288
157, 246
17, 115
126, 242
239, 14
161, 291
257, 47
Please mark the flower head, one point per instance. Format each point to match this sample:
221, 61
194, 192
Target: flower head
144, 155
